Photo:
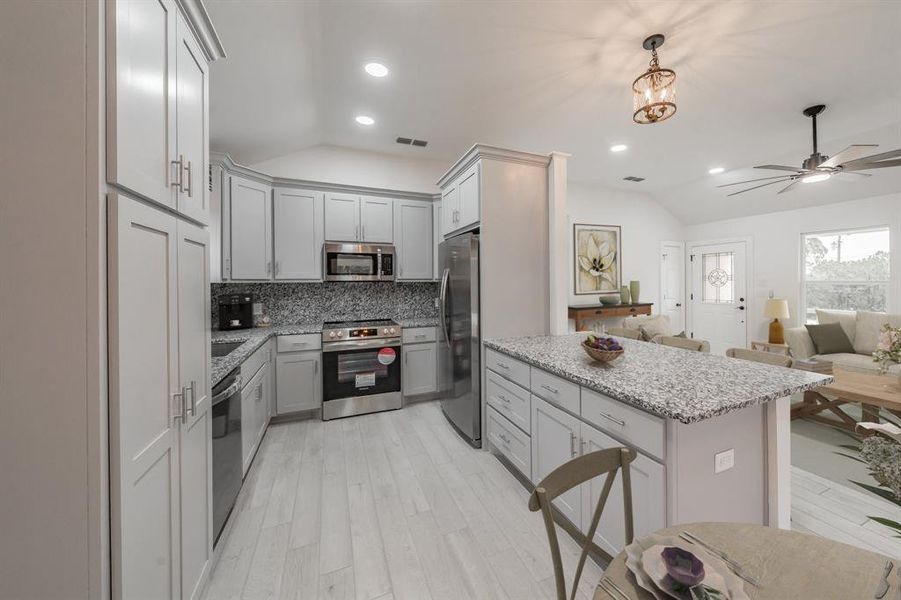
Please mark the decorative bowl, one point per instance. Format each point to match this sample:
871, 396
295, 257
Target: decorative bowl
603, 356
683, 566
609, 300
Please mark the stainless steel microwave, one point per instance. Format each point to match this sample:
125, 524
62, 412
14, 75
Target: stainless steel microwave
358, 262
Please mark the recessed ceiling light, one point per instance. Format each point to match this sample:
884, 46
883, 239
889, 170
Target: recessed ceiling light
716, 170
618, 147
364, 120
816, 178
376, 69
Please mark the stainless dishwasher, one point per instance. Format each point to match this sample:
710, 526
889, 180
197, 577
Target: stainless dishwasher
226, 434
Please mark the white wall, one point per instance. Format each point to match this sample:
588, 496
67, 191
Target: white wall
644, 225
333, 164
776, 253
52, 424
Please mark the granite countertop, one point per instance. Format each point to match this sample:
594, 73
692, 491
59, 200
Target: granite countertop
253, 339
668, 382
257, 336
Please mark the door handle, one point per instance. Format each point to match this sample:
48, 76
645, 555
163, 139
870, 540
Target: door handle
190, 187
179, 181
678, 305
740, 307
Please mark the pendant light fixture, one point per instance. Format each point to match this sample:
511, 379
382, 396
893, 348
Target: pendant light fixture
654, 91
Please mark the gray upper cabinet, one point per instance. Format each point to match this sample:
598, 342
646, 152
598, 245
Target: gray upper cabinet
251, 229
352, 218
342, 217
413, 239
469, 213
376, 220
297, 229
157, 106
192, 93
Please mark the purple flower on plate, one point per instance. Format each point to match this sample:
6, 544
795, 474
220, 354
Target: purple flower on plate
683, 566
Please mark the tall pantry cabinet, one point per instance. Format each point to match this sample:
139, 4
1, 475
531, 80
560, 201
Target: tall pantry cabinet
158, 52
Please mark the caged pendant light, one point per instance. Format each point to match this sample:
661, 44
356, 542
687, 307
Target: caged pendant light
654, 91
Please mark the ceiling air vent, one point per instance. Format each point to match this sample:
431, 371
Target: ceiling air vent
411, 142
633, 178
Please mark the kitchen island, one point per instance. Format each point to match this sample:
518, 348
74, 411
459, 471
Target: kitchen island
712, 432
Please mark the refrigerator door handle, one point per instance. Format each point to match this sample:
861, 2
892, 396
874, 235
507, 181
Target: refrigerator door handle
442, 299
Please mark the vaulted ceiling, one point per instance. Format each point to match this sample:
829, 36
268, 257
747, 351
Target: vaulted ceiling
556, 76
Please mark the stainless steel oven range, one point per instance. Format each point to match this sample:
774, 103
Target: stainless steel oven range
360, 368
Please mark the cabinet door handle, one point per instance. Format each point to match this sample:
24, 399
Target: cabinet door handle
315, 367
268, 267
362, 232
276, 268
609, 417
179, 180
572, 444
192, 408
178, 412
190, 186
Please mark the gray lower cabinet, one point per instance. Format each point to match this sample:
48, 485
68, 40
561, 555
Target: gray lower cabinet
255, 399
298, 381
555, 440
420, 369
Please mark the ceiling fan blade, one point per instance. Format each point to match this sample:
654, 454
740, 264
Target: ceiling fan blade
875, 157
780, 168
851, 153
753, 180
865, 166
844, 172
790, 186
755, 187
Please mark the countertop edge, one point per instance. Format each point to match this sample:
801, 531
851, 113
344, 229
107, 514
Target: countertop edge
635, 402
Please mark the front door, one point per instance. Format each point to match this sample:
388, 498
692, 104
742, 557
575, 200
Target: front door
718, 295
672, 284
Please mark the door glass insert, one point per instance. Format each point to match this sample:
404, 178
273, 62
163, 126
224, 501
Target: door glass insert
718, 270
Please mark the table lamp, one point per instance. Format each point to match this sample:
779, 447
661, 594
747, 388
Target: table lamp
776, 309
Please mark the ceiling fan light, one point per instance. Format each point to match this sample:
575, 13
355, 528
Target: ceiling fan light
654, 91
816, 177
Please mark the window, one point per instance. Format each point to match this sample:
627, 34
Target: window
719, 277
845, 270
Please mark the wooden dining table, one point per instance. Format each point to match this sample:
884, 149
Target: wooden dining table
788, 565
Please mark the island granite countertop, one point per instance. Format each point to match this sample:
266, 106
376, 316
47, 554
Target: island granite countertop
669, 382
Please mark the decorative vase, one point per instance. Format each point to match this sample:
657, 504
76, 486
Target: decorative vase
624, 295
635, 288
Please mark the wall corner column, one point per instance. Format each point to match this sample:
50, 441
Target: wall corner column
558, 243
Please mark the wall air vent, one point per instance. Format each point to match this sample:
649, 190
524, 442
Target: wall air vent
633, 178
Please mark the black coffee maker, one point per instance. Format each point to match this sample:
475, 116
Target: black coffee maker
235, 311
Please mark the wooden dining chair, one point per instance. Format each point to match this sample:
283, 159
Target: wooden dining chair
572, 474
686, 343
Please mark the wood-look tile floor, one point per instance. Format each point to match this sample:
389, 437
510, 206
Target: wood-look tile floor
392, 505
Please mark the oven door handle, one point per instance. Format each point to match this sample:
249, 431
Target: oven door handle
360, 344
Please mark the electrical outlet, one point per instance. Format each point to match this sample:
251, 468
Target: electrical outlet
723, 461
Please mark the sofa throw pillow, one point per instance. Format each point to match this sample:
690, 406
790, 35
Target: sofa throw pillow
655, 327
830, 339
846, 318
869, 324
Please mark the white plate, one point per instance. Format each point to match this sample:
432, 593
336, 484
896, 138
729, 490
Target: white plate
734, 586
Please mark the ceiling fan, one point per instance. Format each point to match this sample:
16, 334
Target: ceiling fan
817, 167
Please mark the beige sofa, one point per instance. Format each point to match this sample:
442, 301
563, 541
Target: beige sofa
862, 328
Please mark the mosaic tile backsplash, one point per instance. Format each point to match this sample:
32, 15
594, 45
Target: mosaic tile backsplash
291, 303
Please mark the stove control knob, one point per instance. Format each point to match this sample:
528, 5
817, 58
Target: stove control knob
331, 334
385, 331
340, 334
391, 330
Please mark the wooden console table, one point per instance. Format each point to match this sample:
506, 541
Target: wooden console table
603, 311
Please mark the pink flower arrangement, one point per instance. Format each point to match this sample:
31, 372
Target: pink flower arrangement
888, 349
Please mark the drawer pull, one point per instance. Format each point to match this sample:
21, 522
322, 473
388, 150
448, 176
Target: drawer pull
502, 365
503, 398
419, 336
300, 343
505, 439
613, 419
550, 389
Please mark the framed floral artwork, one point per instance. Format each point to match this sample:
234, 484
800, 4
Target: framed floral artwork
596, 258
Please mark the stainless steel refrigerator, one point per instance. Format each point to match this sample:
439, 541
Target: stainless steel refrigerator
459, 343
